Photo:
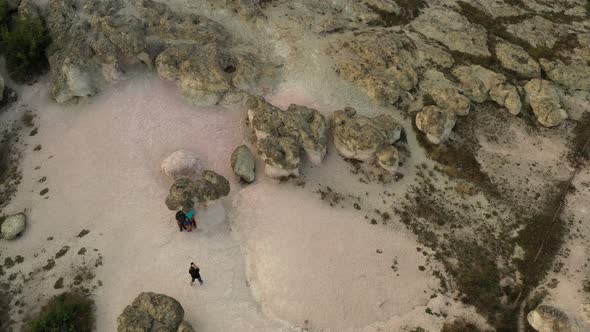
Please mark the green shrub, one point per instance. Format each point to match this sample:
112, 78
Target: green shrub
68, 312
24, 46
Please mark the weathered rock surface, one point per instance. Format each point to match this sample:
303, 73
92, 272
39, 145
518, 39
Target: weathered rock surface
549, 318
481, 84
573, 76
435, 123
385, 71
515, 58
243, 163
205, 74
92, 46
281, 135
182, 163
361, 138
453, 30
444, 93
544, 100
13, 226
153, 312
186, 192
537, 31
388, 158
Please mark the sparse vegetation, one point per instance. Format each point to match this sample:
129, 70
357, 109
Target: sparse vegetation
23, 43
68, 312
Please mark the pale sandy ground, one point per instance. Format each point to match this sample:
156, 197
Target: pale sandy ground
306, 260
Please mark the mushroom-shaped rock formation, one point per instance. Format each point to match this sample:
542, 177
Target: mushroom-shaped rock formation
282, 135
153, 312
186, 192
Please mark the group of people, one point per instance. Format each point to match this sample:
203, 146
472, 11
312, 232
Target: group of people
186, 221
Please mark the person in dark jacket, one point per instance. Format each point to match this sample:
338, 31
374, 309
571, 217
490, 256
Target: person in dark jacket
181, 220
195, 273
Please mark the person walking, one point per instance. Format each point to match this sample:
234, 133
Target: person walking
195, 273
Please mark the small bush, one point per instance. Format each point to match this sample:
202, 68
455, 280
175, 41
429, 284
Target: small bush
24, 46
68, 312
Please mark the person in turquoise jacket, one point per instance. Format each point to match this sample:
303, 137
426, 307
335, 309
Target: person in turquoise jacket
191, 217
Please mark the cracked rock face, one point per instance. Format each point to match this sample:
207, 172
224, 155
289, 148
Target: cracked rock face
435, 123
361, 138
186, 192
282, 135
544, 100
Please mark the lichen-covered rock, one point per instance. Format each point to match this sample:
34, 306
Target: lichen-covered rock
388, 158
515, 58
243, 163
481, 84
186, 192
435, 123
13, 226
182, 163
544, 100
360, 137
298, 128
549, 318
453, 30
444, 93
385, 71
281, 156
151, 312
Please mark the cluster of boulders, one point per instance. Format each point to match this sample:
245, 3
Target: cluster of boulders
192, 184
92, 45
153, 312
13, 226
282, 135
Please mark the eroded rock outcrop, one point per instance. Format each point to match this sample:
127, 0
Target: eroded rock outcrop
153, 312
243, 163
366, 139
92, 46
481, 84
186, 192
282, 135
13, 226
453, 30
444, 93
544, 100
385, 71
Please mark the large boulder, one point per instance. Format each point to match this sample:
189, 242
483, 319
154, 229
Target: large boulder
153, 312
435, 123
243, 163
360, 137
186, 192
550, 318
544, 100
182, 163
13, 226
282, 135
